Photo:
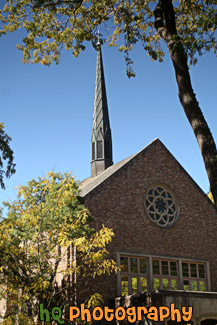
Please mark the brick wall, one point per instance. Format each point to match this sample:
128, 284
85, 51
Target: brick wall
119, 203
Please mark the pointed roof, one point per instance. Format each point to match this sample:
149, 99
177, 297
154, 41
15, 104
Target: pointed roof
101, 140
92, 183
89, 184
100, 109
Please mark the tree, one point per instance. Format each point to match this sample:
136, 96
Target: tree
48, 251
210, 196
7, 155
187, 27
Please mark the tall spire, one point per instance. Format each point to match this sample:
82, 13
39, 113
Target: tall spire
101, 140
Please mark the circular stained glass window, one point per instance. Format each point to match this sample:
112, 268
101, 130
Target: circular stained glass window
161, 206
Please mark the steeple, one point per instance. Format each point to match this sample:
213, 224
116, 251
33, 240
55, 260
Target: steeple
101, 140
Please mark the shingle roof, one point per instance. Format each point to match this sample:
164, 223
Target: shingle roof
101, 139
89, 184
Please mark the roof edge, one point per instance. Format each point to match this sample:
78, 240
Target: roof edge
122, 163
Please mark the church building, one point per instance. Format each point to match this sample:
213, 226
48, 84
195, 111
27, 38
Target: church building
165, 226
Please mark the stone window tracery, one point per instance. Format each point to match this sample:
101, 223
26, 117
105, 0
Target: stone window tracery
161, 206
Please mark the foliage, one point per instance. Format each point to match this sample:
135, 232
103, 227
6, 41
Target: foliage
188, 28
51, 25
44, 226
210, 197
7, 155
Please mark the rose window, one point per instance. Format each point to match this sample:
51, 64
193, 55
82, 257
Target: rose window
161, 206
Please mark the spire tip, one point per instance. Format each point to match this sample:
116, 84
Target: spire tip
99, 40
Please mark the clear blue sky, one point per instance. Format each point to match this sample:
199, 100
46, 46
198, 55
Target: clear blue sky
48, 111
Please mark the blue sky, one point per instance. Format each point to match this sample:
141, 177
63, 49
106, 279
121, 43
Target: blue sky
48, 111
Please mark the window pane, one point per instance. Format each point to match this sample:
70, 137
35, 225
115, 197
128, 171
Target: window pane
156, 283
194, 285
124, 285
99, 149
124, 264
186, 284
150, 192
156, 267
143, 284
165, 283
134, 285
201, 269
165, 269
202, 286
173, 284
185, 269
133, 265
173, 269
193, 270
143, 266
107, 150
93, 150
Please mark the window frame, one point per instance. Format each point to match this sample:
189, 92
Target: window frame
197, 279
168, 277
150, 276
131, 275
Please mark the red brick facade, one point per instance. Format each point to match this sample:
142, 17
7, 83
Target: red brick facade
118, 202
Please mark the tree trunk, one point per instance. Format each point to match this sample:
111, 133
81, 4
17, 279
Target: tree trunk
165, 25
75, 278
